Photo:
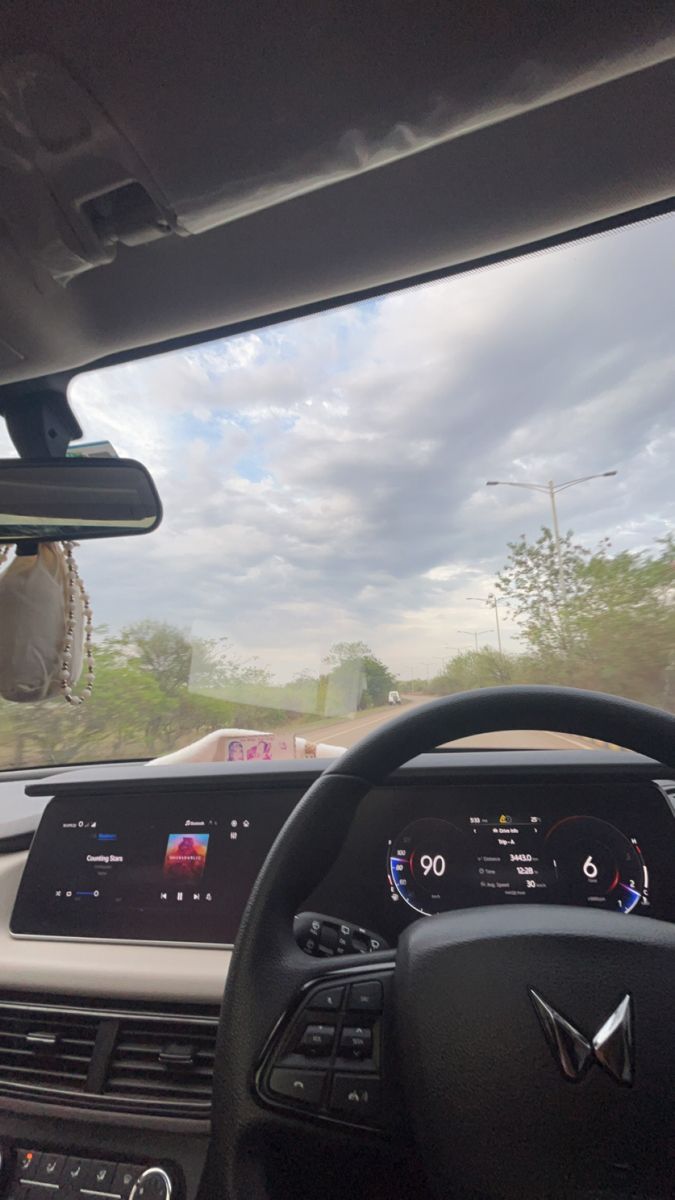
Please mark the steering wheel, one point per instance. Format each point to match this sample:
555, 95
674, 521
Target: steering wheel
458, 1033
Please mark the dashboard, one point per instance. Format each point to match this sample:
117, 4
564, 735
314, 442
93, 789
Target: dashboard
172, 863
116, 927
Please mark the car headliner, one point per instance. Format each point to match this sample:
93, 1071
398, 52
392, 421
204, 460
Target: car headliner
287, 155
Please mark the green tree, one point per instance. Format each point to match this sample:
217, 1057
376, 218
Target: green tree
346, 652
530, 582
355, 668
379, 680
624, 628
473, 669
124, 716
615, 632
160, 649
616, 629
142, 703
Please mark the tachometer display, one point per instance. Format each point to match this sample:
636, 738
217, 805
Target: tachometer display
596, 864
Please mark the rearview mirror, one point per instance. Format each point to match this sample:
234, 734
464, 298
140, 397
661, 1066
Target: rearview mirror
71, 499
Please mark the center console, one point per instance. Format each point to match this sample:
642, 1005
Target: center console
31, 1173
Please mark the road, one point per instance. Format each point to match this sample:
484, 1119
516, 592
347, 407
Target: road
344, 731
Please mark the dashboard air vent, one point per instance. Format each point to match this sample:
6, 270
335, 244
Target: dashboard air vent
102, 1058
163, 1063
45, 1050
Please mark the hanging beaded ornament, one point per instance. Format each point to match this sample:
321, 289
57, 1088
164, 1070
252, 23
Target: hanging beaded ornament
75, 586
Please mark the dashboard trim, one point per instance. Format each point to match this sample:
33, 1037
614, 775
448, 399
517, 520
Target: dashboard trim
101, 941
118, 1014
458, 763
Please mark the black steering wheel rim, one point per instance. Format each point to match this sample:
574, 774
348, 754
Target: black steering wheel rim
268, 969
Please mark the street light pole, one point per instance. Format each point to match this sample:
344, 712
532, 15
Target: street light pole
562, 591
552, 489
492, 601
474, 633
499, 632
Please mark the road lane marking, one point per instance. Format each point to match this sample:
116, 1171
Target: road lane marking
357, 724
565, 737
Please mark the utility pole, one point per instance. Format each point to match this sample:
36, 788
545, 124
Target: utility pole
474, 633
552, 489
562, 591
492, 601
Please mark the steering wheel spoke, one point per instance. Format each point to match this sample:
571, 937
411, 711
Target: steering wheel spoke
330, 1058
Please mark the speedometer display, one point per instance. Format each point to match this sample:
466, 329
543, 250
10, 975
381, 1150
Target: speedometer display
435, 865
426, 864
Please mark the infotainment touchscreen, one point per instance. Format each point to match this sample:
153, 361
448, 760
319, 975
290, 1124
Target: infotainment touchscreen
155, 868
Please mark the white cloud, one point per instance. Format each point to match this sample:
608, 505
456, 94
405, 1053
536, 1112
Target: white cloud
325, 479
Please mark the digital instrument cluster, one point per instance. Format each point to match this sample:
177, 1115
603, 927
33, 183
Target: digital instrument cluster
493, 857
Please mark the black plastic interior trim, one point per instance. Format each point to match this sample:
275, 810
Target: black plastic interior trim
12, 845
578, 233
456, 764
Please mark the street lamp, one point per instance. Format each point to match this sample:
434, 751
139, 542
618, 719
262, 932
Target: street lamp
552, 490
474, 633
492, 601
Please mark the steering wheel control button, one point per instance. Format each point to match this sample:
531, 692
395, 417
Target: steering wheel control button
328, 999
356, 1042
318, 1040
361, 942
304, 1087
366, 997
50, 1168
356, 1096
330, 1067
326, 937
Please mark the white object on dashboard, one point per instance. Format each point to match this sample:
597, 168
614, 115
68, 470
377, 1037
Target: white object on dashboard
246, 745
306, 749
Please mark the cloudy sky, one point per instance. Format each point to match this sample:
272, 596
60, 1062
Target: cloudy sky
325, 479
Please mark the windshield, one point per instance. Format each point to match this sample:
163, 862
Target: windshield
466, 483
